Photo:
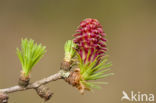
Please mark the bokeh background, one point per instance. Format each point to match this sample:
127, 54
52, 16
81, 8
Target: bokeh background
131, 32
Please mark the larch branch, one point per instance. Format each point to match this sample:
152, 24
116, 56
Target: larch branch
33, 85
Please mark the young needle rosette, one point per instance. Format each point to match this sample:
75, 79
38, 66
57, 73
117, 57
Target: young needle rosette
91, 54
69, 55
29, 55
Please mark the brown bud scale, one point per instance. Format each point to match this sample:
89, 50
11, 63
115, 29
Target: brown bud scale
44, 92
23, 80
74, 80
65, 65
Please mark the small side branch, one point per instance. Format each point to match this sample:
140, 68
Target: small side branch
33, 85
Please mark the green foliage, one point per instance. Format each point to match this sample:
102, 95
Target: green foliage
30, 54
93, 71
69, 50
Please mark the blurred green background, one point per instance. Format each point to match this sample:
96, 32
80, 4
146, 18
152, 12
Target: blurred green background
131, 32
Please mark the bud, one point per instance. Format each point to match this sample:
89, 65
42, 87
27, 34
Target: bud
44, 92
23, 80
3, 98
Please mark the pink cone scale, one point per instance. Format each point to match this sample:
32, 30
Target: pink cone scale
90, 37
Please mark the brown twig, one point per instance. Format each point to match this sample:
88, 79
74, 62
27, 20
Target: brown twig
33, 85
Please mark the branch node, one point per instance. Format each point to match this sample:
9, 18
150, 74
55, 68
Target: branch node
64, 74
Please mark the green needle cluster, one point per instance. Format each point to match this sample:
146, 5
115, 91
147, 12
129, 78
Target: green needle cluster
69, 49
30, 54
93, 71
